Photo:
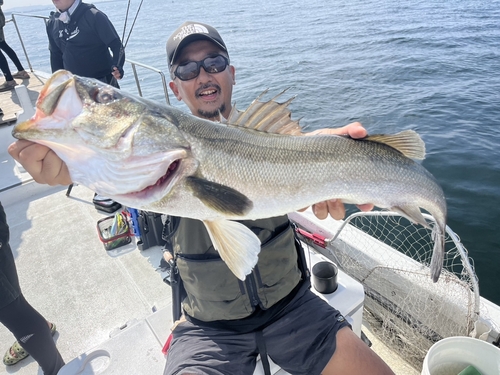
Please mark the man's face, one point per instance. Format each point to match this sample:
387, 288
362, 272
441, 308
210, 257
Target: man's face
208, 93
63, 5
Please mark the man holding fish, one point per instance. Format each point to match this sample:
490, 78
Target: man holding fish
229, 319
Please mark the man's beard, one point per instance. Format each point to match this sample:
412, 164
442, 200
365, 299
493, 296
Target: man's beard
212, 115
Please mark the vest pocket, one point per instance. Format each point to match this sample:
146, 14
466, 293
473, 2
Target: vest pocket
280, 259
213, 292
208, 279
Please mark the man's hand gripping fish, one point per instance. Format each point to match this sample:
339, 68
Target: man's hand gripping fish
257, 165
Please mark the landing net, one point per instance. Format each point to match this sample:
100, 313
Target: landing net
391, 257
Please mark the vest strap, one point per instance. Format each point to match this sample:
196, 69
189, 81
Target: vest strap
261, 346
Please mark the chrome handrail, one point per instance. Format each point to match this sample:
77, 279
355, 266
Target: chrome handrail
152, 68
134, 64
13, 19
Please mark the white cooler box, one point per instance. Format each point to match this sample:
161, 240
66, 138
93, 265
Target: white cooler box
348, 298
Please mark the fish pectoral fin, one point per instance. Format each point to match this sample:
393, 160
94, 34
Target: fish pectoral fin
220, 198
412, 213
237, 245
407, 142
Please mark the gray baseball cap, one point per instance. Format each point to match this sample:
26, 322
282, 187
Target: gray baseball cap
188, 32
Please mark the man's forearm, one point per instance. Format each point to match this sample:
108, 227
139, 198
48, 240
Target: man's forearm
118, 52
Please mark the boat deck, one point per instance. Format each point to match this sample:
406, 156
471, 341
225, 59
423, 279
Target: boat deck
68, 276
9, 101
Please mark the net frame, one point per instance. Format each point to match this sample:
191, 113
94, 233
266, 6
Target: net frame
394, 259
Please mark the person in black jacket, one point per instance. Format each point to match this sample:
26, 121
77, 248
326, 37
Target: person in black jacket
80, 40
32, 331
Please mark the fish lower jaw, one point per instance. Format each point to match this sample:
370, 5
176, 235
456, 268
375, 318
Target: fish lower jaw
155, 191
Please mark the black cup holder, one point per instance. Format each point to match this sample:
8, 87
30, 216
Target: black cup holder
324, 277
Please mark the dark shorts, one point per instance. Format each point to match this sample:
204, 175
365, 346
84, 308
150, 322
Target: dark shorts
301, 341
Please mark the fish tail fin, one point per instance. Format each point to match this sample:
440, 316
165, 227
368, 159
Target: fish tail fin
412, 213
237, 245
438, 236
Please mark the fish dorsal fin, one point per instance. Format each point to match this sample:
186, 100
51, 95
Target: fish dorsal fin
270, 116
407, 142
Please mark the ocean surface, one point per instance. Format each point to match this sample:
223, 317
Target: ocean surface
431, 66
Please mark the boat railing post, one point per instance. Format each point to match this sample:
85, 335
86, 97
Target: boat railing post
135, 64
165, 87
136, 78
21, 40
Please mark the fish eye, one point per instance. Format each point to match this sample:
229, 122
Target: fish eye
106, 95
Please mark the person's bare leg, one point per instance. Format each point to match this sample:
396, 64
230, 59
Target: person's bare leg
352, 356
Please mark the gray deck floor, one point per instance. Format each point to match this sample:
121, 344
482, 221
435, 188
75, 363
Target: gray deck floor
67, 275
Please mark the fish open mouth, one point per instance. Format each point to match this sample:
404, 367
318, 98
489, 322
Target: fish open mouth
160, 184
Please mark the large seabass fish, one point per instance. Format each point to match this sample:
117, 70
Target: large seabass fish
158, 158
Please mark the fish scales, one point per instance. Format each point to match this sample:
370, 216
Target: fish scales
270, 161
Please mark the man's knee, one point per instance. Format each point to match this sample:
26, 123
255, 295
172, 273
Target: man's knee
353, 356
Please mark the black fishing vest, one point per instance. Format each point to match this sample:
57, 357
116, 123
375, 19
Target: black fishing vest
213, 292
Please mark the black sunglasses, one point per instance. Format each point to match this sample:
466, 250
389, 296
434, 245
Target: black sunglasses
191, 69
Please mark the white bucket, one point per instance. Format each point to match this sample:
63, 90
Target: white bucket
453, 354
